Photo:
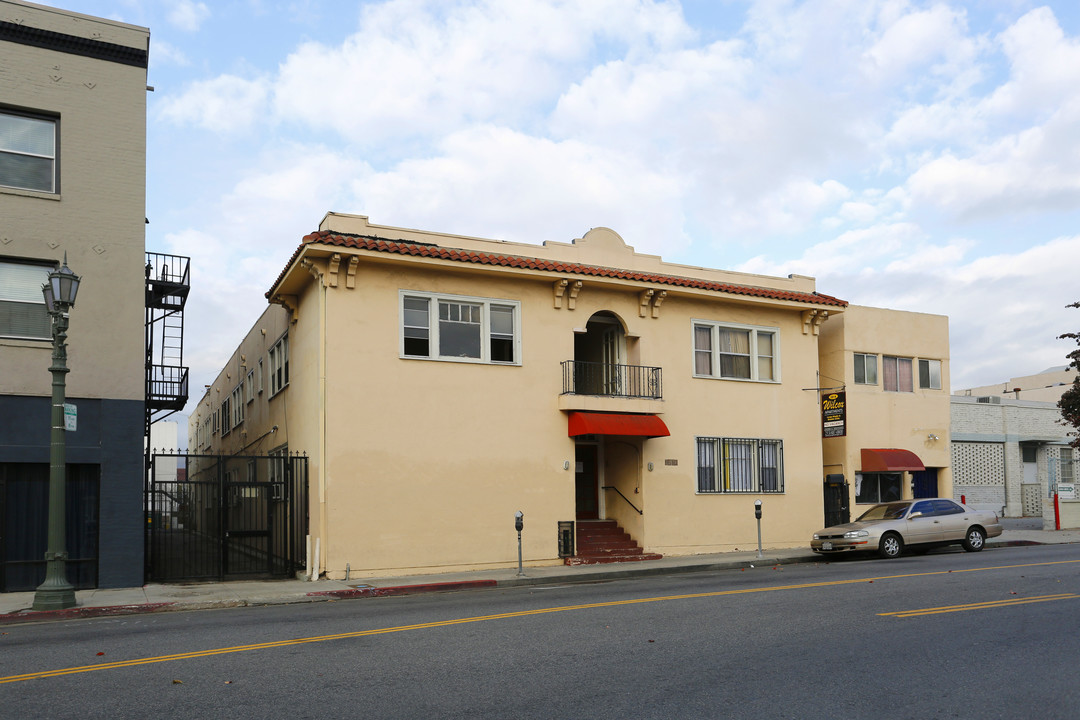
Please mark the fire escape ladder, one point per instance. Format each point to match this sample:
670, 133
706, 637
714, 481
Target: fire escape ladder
168, 282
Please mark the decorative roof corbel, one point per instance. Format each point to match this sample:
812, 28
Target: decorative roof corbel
658, 300
290, 303
574, 290
350, 277
314, 269
560, 290
332, 271
644, 298
812, 320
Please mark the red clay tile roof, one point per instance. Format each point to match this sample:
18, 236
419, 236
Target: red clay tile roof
409, 247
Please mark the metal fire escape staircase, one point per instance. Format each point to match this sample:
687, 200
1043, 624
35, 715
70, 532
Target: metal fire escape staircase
168, 281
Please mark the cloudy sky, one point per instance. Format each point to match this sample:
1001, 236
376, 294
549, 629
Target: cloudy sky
916, 155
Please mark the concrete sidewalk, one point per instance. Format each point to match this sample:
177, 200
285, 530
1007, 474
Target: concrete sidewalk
16, 607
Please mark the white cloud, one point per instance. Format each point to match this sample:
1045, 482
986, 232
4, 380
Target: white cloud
163, 53
1045, 66
416, 68
225, 104
498, 183
187, 15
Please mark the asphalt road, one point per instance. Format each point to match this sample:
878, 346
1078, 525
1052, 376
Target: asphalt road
944, 635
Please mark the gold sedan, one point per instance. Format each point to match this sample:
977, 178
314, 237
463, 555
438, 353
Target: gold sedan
890, 527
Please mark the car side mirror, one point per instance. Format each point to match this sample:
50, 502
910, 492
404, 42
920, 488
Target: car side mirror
914, 515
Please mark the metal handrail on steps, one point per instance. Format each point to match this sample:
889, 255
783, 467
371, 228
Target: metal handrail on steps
612, 487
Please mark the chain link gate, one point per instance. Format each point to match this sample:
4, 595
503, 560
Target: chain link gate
225, 517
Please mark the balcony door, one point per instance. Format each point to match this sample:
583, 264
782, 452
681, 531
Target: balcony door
598, 354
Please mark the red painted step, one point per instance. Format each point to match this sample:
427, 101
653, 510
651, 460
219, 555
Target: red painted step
603, 541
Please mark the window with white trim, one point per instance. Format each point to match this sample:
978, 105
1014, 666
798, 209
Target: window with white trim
22, 306
249, 387
463, 329
738, 352
930, 374
260, 376
28, 152
896, 374
865, 369
278, 358
237, 403
740, 465
226, 417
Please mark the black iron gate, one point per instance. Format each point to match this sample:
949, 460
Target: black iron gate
216, 517
836, 500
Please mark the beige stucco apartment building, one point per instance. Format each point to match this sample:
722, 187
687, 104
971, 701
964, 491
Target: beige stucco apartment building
439, 384
893, 368
72, 183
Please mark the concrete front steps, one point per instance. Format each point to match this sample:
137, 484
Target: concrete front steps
603, 541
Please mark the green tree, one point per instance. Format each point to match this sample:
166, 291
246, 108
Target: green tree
1070, 399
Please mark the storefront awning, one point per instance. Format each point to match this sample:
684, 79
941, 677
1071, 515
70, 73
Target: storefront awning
890, 460
588, 423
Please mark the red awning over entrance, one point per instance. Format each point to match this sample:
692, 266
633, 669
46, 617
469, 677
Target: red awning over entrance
588, 423
890, 460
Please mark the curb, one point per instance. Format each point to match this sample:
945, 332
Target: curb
78, 613
363, 592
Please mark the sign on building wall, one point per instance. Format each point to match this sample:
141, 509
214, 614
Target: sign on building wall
834, 414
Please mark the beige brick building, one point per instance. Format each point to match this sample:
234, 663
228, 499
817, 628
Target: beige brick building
72, 182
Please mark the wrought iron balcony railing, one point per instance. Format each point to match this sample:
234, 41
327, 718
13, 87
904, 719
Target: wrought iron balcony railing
629, 381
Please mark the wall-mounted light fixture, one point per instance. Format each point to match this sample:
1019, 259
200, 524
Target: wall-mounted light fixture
932, 436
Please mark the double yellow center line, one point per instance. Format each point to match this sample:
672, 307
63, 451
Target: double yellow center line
542, 611
979, 606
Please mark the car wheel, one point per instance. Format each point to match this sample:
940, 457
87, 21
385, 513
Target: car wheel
974, 540
891, 546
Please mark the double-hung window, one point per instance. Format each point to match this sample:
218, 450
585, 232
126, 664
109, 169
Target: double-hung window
237, 400
226, 417
278, 358
465, 329
865, 369
740, 352
896, 374
27, 152
740, 465
930, 374
22, 306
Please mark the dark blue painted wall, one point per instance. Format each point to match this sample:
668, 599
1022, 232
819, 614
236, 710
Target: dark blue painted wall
110, 434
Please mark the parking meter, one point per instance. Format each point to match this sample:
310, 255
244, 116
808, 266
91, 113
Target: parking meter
757, 514
519, 522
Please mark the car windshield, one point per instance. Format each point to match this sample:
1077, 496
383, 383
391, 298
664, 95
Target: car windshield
886, 511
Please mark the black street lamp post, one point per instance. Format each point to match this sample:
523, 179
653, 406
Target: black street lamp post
56, 593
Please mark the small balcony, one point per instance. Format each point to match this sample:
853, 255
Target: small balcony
605, 387
623, 381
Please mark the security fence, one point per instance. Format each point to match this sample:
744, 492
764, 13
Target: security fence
217, 517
